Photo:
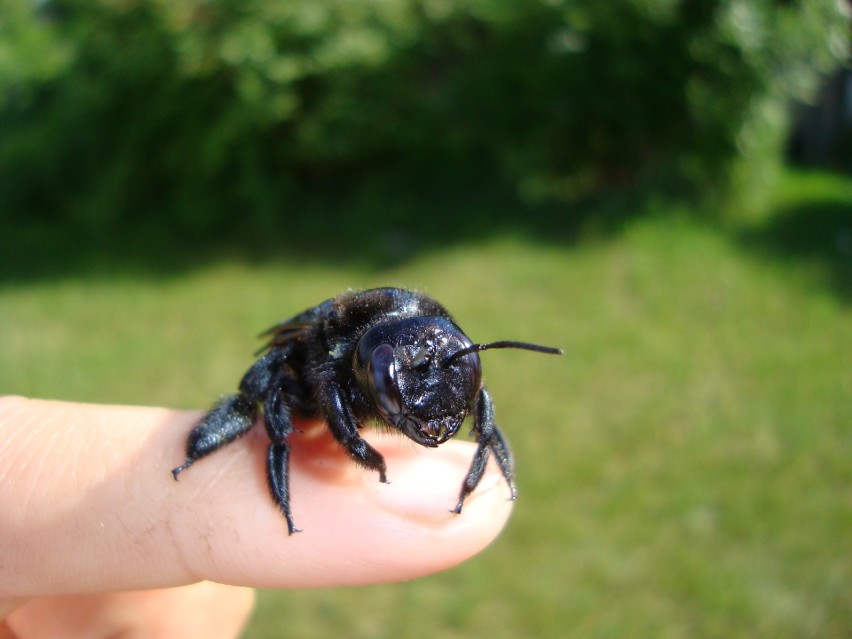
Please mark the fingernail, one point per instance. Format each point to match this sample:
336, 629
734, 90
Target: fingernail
425, 487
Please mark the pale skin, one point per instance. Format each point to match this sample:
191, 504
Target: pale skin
98, 540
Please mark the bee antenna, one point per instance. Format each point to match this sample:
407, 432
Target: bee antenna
475, 348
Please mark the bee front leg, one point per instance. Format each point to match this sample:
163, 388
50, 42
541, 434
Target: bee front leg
489, 440
344, 427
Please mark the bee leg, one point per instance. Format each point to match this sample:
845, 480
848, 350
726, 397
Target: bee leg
344, 427
279, 426
490, 440
230, 418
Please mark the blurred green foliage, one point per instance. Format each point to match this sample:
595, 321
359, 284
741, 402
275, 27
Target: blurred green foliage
197, 111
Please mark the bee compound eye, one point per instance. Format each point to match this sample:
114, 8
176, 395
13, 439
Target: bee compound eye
476, 372
381, 376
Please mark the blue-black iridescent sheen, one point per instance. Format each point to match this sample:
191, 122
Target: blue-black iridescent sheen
386, 354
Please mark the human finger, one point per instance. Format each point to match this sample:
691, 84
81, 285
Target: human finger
203, 610
87, 504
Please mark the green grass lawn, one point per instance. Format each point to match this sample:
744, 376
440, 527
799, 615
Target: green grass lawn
685, 470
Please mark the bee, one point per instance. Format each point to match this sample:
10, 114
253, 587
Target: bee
385, 354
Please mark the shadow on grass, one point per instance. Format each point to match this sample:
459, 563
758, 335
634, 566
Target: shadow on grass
816, 229
376, 229
369, 231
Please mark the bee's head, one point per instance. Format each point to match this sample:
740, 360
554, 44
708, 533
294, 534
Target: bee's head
422, 375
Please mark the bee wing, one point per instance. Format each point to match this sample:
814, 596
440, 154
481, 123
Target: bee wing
283, 332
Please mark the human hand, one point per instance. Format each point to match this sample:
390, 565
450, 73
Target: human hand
97, 539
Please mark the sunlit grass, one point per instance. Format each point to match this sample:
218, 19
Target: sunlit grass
684, 469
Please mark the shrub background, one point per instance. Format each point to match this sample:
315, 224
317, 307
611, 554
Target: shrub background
194, 112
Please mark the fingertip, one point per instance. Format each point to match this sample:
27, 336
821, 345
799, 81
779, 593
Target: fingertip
355, 529
423, 495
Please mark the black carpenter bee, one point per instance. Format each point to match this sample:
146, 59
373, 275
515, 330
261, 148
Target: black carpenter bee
384, 354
